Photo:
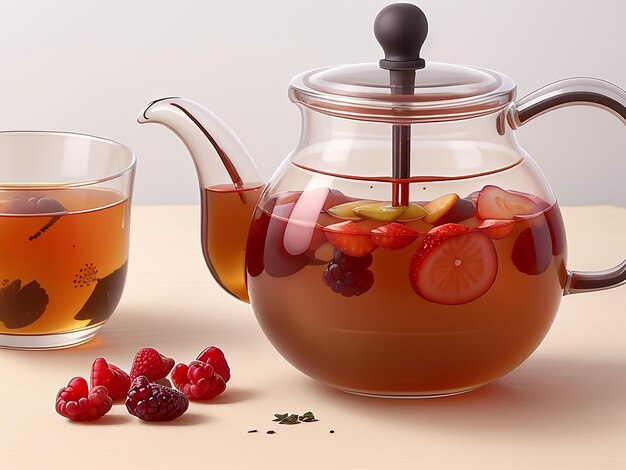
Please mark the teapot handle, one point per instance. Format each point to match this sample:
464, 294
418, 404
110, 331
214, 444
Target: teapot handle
568, 92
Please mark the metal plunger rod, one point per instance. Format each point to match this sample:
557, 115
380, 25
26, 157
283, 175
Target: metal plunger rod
401, 29
402, 83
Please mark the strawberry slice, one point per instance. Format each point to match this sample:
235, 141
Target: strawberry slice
454, 265
497, 229
496, 203
352, 239
394, 236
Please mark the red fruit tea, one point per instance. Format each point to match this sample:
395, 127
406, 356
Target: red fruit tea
390, 340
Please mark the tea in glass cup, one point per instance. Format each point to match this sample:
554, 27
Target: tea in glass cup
64, 232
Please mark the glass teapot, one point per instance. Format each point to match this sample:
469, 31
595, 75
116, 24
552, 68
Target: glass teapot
408, 246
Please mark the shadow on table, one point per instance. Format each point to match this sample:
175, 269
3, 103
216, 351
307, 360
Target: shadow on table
162, 328
563, 394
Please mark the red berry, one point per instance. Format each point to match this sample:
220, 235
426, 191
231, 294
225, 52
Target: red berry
532, 251
394, 236
198, 380
352, 239
151, 364
154, 402
455, 264
77, 403
214, 356
116, 381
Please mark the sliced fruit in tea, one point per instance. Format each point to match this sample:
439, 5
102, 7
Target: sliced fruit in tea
473, 197
462, 209
497, 229
497, 203
351, 238
348, 275
412, 212
346, 210
454, 265
379, 211
394, 236
532, 251
438, 207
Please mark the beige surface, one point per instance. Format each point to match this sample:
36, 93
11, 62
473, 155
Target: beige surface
564, 408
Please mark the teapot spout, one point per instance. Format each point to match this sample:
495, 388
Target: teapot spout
230, 185
204, 134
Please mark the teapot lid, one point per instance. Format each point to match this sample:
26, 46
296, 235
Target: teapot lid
403, 87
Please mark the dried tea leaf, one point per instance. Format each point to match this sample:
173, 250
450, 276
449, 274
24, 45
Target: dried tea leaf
308, 417
291, 419
280, 416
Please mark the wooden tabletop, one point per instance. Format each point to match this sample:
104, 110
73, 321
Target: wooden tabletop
565, 407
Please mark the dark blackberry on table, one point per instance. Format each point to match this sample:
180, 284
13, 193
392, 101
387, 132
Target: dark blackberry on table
153, 402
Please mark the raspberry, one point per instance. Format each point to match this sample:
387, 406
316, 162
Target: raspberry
116, 381
153, 402
151, 364
214, 356
348, 275
198, 380
77, 403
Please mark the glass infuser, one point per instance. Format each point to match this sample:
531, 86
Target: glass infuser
408, 246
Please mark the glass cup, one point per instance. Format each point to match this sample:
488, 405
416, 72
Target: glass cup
64, 233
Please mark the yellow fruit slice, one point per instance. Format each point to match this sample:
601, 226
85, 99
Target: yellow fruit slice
345, 210
379, 211
412, 212
438, 207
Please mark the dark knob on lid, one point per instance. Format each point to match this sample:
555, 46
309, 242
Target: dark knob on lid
401, 29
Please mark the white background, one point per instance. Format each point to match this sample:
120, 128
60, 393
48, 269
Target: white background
91, 66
